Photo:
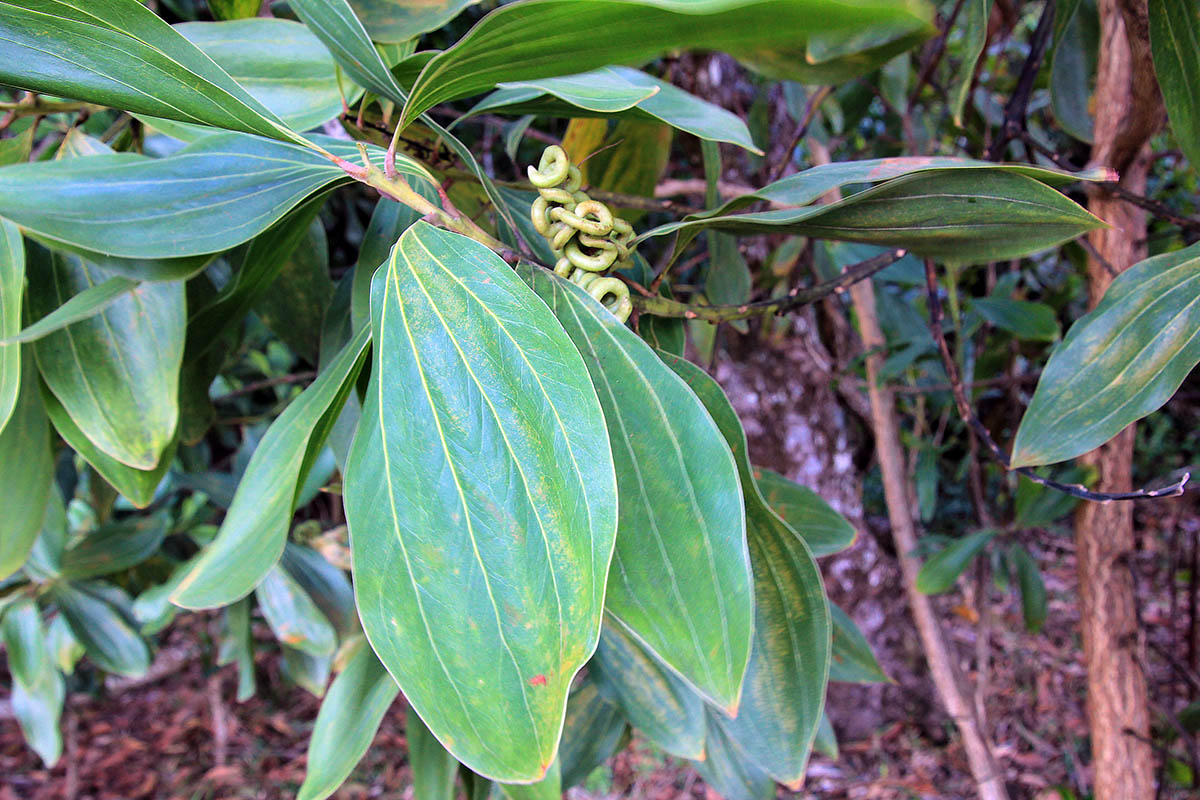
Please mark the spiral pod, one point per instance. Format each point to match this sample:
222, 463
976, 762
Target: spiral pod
588, 239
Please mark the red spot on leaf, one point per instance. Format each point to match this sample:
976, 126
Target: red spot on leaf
537, 680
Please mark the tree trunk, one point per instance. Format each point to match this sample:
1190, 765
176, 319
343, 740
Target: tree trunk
1128, 112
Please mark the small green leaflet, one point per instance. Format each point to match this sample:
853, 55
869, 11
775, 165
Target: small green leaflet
252, 537
481, 523
941, 570
1118, 363
680, 578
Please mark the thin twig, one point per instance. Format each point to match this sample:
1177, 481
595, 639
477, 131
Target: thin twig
1017, 107
799, 296
810, 113
251, 388
968, 415
937, 49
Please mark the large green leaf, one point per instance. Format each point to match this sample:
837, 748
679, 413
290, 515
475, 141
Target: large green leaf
824, 530
1175, 48
784, 694
115, 546
119, 53
293, 616
28, 472
810, 40
592, 732
623, 91
252, 537
659, 705
214, 194
37, 685
1118, 363
137, 485
956, 215
12, 290
117, 372
279, 62
481, 523
350, 714
339, 28
400, 20
111, 641
680, 578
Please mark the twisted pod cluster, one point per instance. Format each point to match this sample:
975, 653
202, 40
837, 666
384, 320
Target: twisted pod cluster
588, 240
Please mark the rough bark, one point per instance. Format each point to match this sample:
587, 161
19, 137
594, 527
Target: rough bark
1128, 112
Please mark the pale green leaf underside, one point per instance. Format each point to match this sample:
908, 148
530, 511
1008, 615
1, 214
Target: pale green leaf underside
12, 290
481, 502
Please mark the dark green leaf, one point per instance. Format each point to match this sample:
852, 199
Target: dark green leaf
728, 768
1022, 318
119, 53
293, 616
400, 20
110, 641
784, 693
824, 530
680, 577
1175, 48
626, 92
592, 732
114, 547
1073, 67
279, 62
350, 714
1037, 506
659, 705
253, 534
433, 768
326, 584
975, 30
466, 481
1033, 589
852, 660
800, 39
223, 190
295, 305
338, 27
941, 570
29, 475
117, 372
1118, 363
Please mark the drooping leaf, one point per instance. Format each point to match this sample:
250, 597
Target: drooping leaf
339, 28
279, 62
212, 195
433, 768
783, 697
12, 290
1073, 67
801, 39
111, 641
350, 714
729, 769
824, 530
1033, 588
623, 91
400, 20
253, 534
119, 53
975, 30
941, 570
293, 616
680, 577
136, 485
114, 547
1175, 48
37, 686
957, 215
1118, 363
25, 449
659, 705
852, 660
117, 372
465, 481
236, 646
592, 733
